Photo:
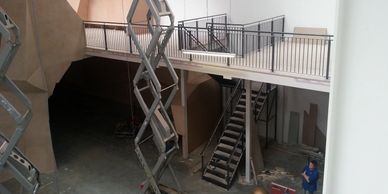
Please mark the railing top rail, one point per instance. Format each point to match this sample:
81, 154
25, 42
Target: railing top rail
103, 22
265, 20
216, 23
203, 18
230, 30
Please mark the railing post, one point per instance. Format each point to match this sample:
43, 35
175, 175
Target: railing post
130, 44
267, 115
197, 30
190, 45
272, 41
184, 42
105, 41
276, 113
283, 23
259, 38
211, 35
328, 58
180, 46
227, 38
243, 41
273, 48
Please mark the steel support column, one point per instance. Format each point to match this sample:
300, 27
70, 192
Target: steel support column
183, 85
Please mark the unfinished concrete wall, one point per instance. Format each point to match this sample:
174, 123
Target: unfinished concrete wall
52, 37
297, 101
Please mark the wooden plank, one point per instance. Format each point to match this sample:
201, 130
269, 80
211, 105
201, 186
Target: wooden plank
309, 124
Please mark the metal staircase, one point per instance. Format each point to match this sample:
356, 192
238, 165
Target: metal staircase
11, 158
227, 155
164, 134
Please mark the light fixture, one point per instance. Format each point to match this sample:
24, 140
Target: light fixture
210, 54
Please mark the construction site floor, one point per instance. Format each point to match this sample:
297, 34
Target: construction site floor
92, 159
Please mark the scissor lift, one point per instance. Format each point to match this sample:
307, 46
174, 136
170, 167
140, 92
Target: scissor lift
164, 134
11, 158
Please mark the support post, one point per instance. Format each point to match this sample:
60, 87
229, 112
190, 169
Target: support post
267, 115
197, 30
259, 38
283, 24
328, 59
190, 45
130, 44
243, 41
276, 113
248, 111
273, 48
185, 143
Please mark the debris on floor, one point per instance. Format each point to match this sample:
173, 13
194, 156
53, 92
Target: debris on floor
274, 174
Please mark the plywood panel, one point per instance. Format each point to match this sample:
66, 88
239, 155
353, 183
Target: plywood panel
309, 124
293, 128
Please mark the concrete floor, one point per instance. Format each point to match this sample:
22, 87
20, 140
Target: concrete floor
92, 160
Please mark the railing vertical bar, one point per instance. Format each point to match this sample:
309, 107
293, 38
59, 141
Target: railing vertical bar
196, 28
130, 44
316, 57
258, 33
243, 42
273, 56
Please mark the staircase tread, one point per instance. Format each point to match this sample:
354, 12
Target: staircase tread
222, 145
237, 119
235, 125
217, 171
215, 178
229, 149
231, 132
229, 139
226, 155
222, 164
240, 106
239, 112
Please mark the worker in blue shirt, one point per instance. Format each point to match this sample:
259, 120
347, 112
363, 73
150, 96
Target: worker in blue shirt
310, 177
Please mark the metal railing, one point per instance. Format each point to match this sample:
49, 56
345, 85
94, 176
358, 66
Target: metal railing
191, 31
230, 105
234, 34
291, 53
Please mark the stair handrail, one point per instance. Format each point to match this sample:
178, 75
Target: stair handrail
229, 103
214, 37
199, 43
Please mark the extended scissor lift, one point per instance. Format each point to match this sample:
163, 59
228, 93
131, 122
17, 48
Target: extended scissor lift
164, 134
11, 158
